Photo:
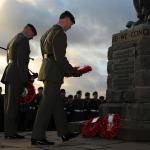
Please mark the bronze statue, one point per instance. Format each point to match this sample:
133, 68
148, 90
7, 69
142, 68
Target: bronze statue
142, 8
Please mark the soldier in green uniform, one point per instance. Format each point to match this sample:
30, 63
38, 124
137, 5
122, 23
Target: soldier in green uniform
55, 67
15, 77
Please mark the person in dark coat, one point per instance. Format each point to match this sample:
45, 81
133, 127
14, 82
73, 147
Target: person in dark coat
33, 107
15, 77
86, 100
69, 107
78, 108
38, 96
93, 105
64, 99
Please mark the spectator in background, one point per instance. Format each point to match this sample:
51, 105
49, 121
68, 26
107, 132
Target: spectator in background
93, 106
78, 94
69, 107
63, 96
85, 102
87, 96
79, 109
64, 99
33, 107
102, 99
95, 95
70, 98
38, 96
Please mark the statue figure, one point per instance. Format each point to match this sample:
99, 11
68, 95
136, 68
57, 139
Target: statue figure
142, 8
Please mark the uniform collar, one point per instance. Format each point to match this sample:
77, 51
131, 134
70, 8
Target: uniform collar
60, 26
23, 35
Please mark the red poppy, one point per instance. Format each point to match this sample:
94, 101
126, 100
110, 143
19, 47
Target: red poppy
85, 69
29, 97
90, 129
109, 131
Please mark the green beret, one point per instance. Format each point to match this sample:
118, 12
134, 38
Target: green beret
32, 28
67, 14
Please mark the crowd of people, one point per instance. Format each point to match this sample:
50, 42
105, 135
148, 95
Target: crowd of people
77, 108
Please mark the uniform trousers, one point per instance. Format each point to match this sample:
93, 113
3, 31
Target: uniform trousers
13, 92
51, 105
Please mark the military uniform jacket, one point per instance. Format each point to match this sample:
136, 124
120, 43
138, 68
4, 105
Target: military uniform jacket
18, 51
56, 65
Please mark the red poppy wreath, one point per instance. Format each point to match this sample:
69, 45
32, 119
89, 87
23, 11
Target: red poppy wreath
28, 94
109, 126
90, 129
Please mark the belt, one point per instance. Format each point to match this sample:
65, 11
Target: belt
76, 110
93, 110
10, 61
46, 56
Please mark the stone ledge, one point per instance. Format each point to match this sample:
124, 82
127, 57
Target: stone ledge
132, 34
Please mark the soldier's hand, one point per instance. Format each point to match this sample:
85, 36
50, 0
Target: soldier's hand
76, 67
77, 73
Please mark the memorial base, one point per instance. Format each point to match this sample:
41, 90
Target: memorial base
135, 120
128, 84
133, 130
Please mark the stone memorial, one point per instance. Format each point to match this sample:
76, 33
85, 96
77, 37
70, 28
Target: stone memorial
128, 82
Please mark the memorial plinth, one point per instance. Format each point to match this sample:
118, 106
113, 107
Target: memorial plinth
128, 82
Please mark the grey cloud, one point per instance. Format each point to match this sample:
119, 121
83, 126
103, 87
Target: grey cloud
90, 16
96, 21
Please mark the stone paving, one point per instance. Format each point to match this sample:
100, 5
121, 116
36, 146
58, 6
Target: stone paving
78, 143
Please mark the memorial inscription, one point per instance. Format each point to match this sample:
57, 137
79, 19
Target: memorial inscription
133, 34
123, 69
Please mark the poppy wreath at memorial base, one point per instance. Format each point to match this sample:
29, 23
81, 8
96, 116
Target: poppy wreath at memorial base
107, 126
90, 128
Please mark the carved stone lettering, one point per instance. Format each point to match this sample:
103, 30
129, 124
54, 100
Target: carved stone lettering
123, 69
132, 34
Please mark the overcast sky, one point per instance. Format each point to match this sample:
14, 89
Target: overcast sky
88, 40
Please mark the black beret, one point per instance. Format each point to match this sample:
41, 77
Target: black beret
79, 92
62, 90
87, 94
67, 14
32, 28
95, 93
